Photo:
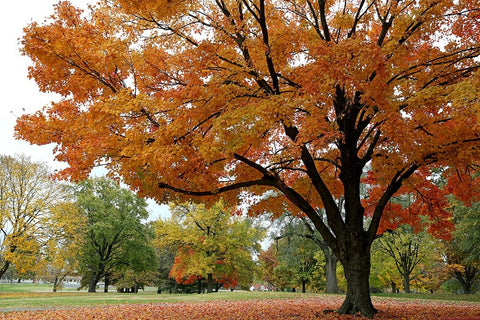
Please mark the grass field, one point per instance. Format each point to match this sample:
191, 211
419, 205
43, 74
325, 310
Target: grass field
18, 297
37, 302
35, 296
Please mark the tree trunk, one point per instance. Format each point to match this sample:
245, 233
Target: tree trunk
330, 268
209, 283
92, 284
467, 288
55, 284
199, 285
466, 278
331, 272
394, 286
107, 283
356, 265
406, 283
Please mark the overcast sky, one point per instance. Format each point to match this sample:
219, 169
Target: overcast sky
18, 94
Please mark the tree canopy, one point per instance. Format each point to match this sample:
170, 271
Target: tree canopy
253, 100
462, 252
29, 200
115, 236
212, 245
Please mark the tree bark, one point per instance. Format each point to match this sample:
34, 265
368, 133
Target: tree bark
356, 265
331, 272
466, 278
55, 284
92, 284
406, 282
394, 286
304, 286
330, 261
209, 283
107, 283
199, 285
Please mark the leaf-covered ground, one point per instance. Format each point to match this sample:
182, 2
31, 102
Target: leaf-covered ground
309, 308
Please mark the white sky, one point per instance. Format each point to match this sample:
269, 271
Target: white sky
18, 94
16, 91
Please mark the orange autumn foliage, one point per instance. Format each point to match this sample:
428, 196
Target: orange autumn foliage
261, 309
179, 272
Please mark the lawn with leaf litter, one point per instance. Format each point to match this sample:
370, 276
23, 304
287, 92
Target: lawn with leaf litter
293, 308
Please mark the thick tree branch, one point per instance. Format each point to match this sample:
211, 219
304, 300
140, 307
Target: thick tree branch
334, 218
311, 213
260, 182
323, 20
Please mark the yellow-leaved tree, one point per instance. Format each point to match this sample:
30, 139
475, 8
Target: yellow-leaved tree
28, 198
213, 246
65, 231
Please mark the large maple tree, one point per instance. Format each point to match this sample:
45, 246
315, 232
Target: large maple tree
265, 100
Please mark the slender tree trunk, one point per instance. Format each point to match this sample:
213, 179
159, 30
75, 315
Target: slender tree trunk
406, 282
394, 286
470, 275
331, 272
304, 286
356, 265
330, 268
135, 287
107, 283
55, 284
467, 288
209, 283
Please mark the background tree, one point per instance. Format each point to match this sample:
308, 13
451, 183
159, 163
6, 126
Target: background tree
130, 281
463, 252
297, 254
403, 246
212, 244
267, 260
116, 237
28, 198
297, 248
384, 275
296, 97
432, 270
166, 257
66, 239
402, 260
331, 261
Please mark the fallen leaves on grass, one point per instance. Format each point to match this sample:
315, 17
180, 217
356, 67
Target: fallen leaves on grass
308, 308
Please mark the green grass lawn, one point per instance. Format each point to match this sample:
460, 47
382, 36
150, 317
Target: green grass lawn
428, 296
24, 287
29, 296
20, 296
